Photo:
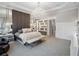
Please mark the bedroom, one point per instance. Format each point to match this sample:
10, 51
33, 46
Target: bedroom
38, 28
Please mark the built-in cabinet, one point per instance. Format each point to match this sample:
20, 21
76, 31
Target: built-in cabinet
43, 26
47, 27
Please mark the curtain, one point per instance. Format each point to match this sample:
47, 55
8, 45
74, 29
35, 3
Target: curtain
2, 24
52, 27
2, 19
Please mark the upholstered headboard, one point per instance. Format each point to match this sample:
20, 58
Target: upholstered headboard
20, 20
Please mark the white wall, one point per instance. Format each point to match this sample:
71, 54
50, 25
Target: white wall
65, 30
65, 24
68, 31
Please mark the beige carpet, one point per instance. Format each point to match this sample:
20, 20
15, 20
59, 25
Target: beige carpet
50, 47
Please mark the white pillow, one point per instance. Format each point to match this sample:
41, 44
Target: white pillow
26, 30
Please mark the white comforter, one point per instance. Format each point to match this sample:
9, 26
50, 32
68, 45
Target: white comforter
26, 37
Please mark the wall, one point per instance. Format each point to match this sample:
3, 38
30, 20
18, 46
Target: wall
65, 30
65, 23
69, 30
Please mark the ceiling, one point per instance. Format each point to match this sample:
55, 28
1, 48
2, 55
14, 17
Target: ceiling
47, 6
44, 5
50, 8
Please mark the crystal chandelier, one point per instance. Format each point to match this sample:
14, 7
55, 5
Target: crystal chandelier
38, 13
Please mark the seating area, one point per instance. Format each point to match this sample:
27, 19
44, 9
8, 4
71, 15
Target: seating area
4, 47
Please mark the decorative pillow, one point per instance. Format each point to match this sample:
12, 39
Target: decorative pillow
26, 30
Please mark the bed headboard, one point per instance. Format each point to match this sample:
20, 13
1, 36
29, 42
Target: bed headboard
20, 20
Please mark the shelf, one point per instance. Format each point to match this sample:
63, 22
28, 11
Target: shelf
43, 26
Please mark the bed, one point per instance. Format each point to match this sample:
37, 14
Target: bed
28, 37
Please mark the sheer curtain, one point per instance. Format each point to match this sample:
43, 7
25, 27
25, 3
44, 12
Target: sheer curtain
2, 24
5, 20
2, 19
52, 27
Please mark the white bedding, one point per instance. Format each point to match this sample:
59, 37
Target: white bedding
30, 37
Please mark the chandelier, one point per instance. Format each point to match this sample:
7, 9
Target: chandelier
38, 12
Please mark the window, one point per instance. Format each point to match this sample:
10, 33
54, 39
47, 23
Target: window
2, 18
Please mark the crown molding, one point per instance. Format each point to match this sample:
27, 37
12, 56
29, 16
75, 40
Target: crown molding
16, 7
